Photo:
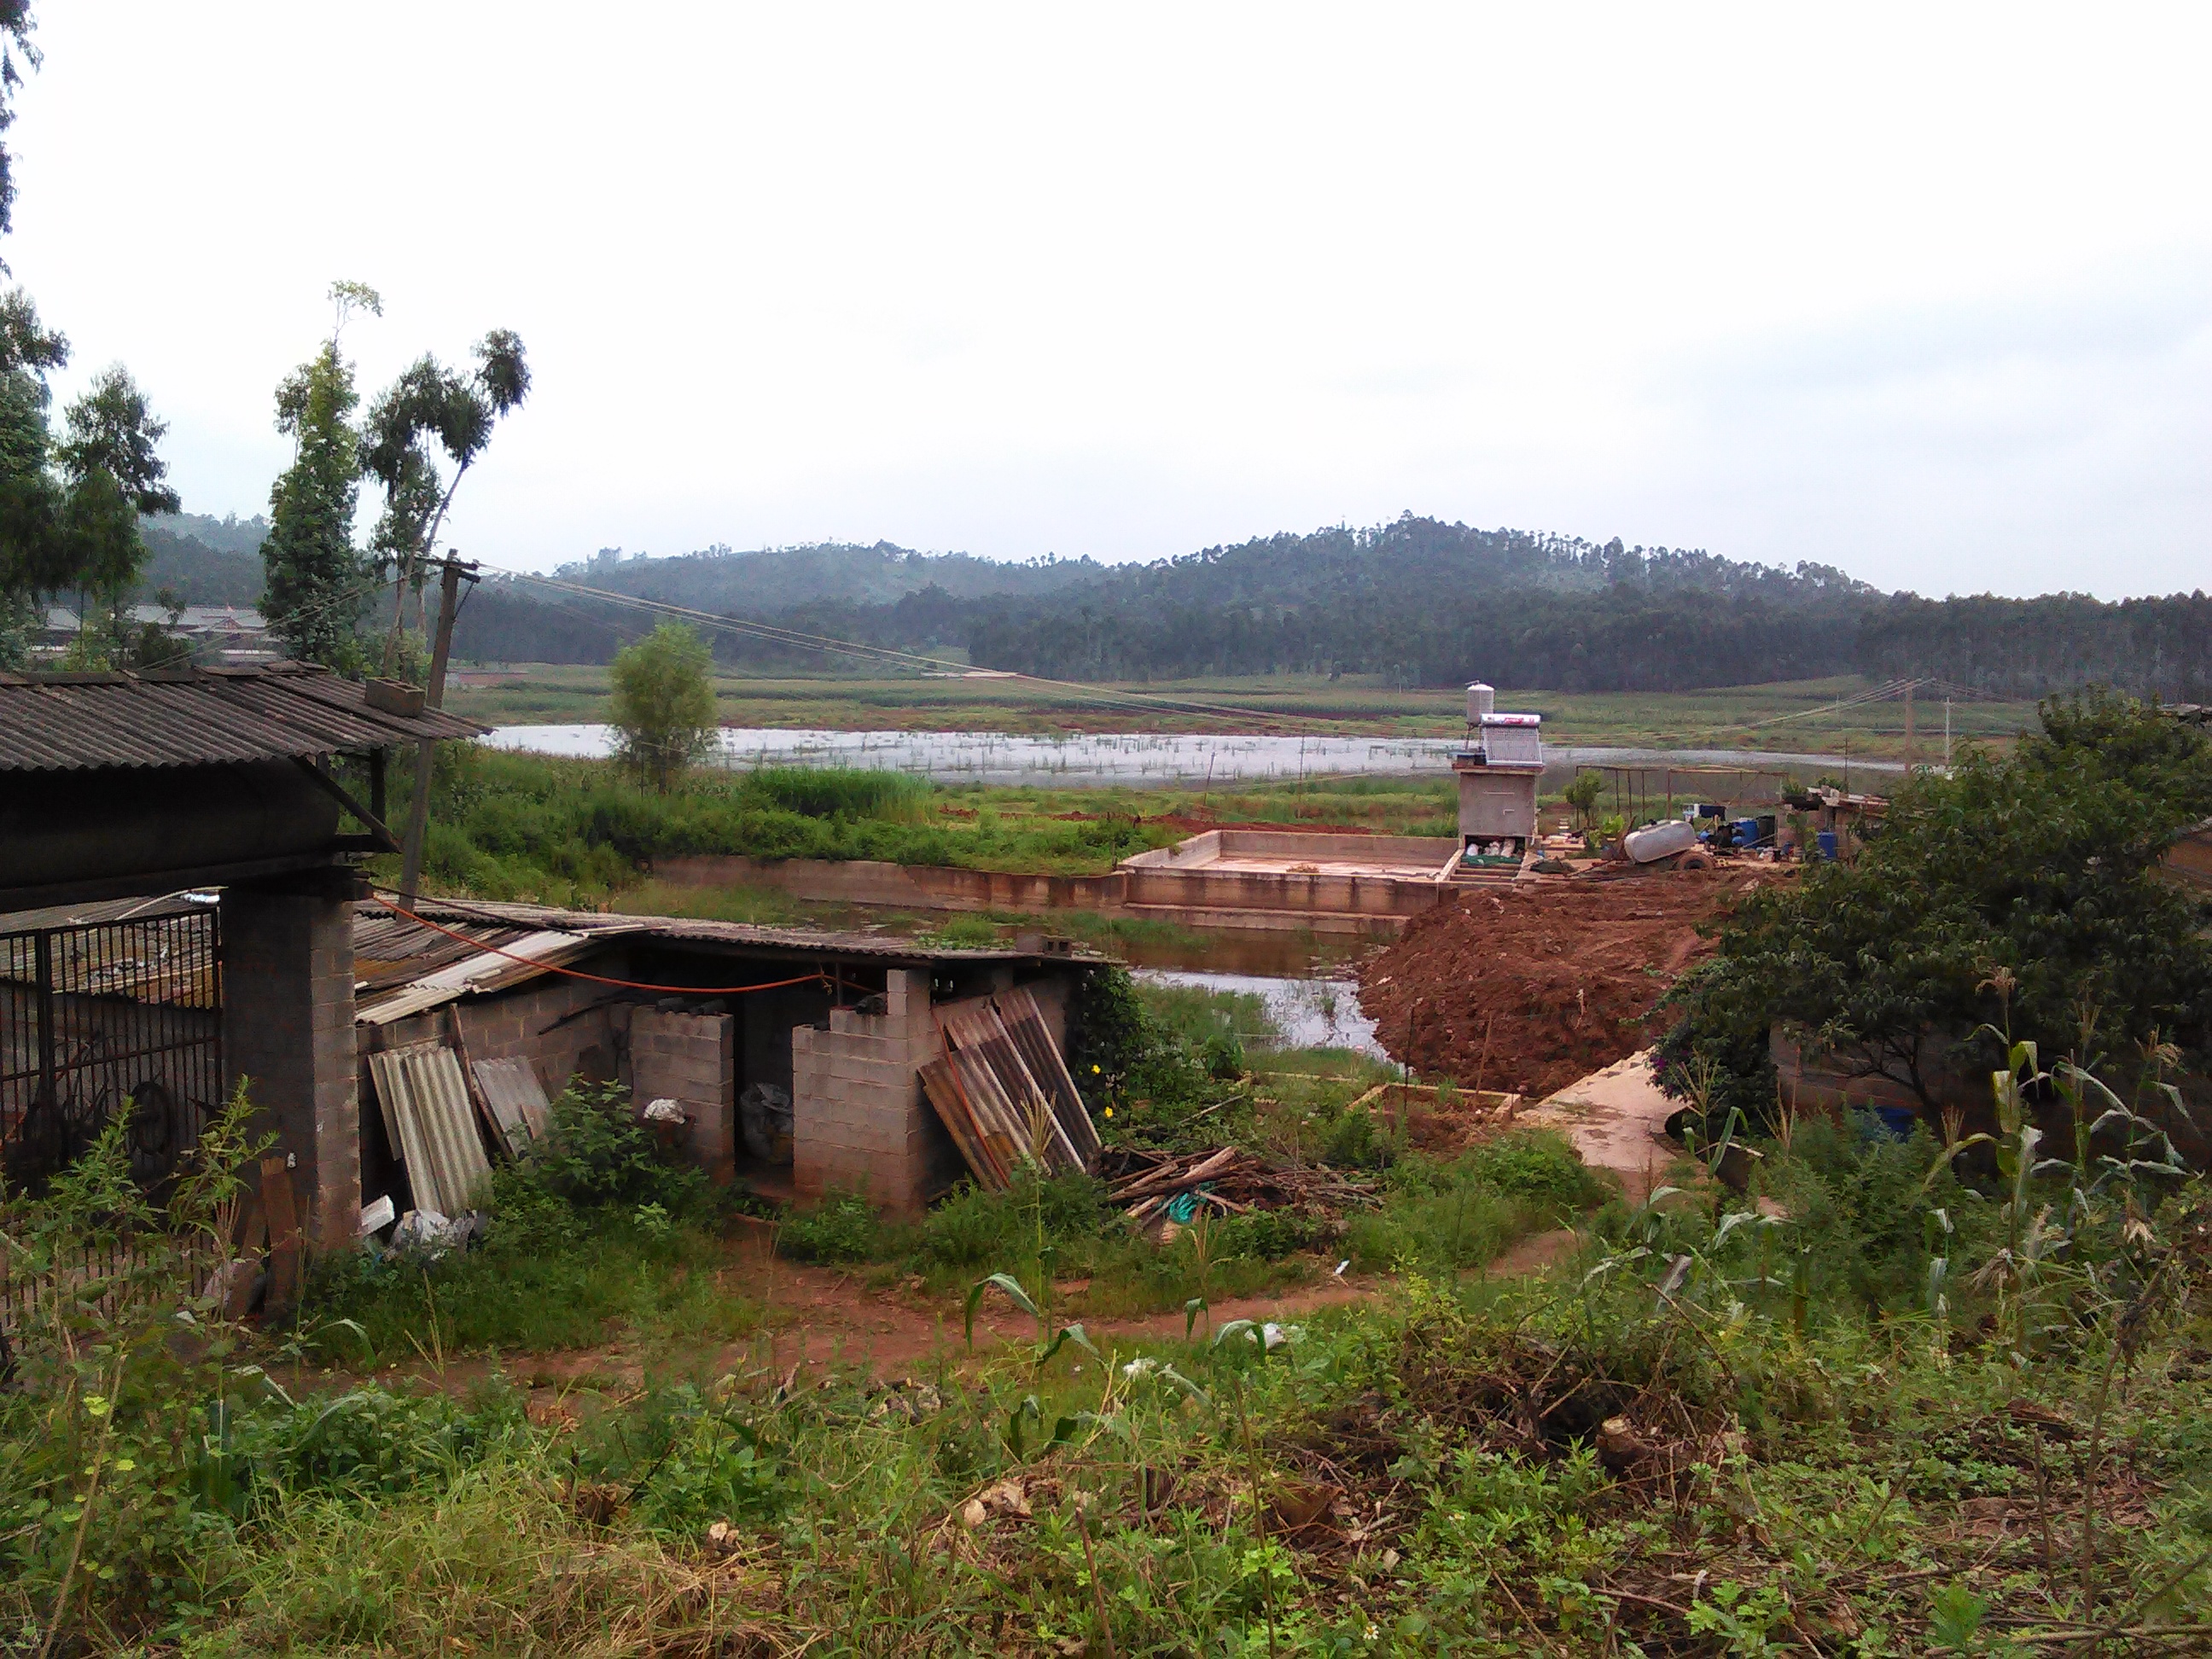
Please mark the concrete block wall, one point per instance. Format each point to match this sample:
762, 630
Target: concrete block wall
548, 1022
861, 1123
288, 1024
692, 1059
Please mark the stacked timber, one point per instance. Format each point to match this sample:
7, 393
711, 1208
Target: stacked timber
1232, 1182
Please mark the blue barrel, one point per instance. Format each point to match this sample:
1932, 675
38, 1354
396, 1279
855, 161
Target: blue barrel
1747, 832
1825, 841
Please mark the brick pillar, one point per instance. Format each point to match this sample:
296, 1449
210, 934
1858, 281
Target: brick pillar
288, 1026
691, 1059
859, 1122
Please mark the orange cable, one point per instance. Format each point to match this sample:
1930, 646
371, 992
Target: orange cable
597, 979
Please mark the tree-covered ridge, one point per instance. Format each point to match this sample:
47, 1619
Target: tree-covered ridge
764, 580
1421, 601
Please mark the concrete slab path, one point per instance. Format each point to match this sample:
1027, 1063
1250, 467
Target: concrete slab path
1617, 1119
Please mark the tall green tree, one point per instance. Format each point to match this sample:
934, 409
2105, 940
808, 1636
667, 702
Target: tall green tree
319, 583
111, 457
664, 702
15, 45
429, 411
69, 512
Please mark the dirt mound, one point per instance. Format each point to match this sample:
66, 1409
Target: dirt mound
1530, 986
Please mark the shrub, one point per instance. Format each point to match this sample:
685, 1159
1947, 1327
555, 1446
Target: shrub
843, 1227
827, 791
1541, 1164
598, 1155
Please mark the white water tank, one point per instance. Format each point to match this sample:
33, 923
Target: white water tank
1659, 841
1481, 700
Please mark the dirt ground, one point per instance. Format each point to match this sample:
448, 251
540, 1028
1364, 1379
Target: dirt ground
819, 1319
1529, 985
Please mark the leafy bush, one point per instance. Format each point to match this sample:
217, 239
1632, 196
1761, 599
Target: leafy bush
2041, 868
843, 1227
597, 1155
1538, 1163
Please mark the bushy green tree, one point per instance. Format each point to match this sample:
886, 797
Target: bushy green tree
664, 702
2043, 865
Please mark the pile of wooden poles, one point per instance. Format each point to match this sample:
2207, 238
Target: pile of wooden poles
1231, 1181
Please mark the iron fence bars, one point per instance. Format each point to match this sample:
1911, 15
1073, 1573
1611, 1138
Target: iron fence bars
119, 1018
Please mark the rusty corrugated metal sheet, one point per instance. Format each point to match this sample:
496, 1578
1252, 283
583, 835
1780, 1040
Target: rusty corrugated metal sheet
431, 1124
516, 1099
197, 717
741, 936
481, 971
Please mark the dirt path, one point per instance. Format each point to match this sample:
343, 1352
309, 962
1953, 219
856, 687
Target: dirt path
821, 1318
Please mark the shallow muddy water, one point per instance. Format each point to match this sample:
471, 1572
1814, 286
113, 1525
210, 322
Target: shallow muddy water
1078, 759
1309, 1013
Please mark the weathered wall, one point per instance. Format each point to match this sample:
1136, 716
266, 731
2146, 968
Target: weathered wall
690, 1058
860, 1123
908, 886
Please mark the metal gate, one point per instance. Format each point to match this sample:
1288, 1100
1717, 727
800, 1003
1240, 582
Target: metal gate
113, 1020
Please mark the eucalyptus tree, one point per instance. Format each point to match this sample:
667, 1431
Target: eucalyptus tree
432, 411
317, 583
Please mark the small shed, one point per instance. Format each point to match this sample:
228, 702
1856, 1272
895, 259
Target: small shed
840, 1026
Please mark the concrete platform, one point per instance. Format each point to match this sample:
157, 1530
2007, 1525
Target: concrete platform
1307, 879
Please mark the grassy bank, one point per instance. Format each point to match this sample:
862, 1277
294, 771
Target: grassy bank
505, 825
1877, 1427
1785, 716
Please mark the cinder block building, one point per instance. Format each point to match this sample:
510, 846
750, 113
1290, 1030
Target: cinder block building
697, 1012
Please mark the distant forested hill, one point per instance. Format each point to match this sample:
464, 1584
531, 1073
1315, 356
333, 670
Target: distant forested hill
202, 560
1418, 600
770, 579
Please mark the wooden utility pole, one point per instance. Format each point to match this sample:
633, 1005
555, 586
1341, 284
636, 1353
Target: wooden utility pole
1909, 757
433, 696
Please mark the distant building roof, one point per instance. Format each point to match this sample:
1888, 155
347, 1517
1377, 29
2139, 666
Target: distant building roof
205, 618
198, 717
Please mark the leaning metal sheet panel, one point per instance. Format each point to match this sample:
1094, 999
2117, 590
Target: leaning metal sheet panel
517, 1101
427, 1100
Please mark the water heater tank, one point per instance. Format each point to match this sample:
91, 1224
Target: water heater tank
1481, 700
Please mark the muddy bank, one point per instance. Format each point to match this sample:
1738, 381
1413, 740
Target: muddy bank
1530, 986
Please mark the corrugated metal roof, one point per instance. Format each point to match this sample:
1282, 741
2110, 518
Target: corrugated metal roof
485, 971
402, 967
431, 1124
735, 935
105, 910
197, 717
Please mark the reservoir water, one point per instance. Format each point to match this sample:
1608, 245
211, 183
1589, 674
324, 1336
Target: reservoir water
1078, 759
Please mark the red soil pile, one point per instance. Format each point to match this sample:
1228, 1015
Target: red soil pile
1530, 986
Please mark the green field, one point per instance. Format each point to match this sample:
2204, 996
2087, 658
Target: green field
1792, 715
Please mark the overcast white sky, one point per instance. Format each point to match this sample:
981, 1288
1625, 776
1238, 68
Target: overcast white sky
1920, 291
